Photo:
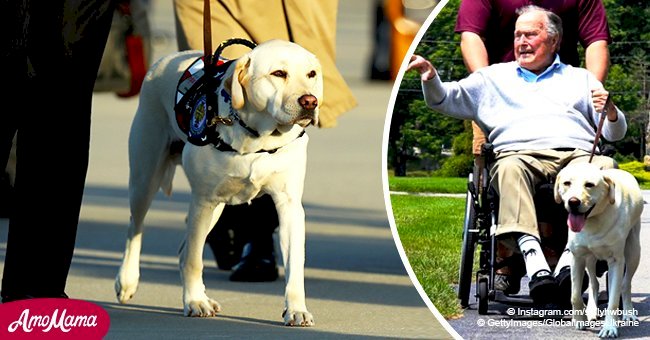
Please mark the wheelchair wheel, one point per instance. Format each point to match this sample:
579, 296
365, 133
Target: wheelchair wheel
482, 296
467, 252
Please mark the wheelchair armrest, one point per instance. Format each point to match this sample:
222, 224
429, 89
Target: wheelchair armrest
607, 150
487, 152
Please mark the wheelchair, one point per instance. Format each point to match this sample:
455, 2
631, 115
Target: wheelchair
479, 228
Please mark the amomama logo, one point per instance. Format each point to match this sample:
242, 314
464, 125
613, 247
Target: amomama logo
53, 319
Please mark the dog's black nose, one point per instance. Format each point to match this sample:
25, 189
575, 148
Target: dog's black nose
308, 102
574, 203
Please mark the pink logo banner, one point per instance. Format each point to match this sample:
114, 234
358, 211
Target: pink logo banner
53, 319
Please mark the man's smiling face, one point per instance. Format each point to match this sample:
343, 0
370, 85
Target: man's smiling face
534, 48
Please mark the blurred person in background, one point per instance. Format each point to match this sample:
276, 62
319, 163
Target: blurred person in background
405, 17
51, 51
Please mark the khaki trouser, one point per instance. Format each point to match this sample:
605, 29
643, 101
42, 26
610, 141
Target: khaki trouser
516, 174
312, 24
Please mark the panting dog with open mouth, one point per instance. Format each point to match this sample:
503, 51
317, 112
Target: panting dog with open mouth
255, 144
604, 221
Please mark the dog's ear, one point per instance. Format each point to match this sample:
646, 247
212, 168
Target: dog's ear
238, 81
612, 189
556, 190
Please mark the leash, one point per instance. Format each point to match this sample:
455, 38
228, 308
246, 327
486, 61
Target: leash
210, 62
599, 130
207, 32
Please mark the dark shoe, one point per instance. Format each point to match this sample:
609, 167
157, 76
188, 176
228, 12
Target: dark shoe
225, 246
508, 284
510, 270
543, 289
601, 267
255, 267
564, 283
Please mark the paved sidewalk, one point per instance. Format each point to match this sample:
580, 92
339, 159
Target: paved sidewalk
496, 324
355, 281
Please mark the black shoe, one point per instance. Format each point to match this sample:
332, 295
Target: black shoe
564, 283
543, 288
225, 246
508, 284
255, 267
601, 267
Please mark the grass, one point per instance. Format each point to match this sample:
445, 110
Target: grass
637, 169
430, 229
428, 184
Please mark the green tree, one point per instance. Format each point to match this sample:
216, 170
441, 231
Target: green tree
416, 131
629, 23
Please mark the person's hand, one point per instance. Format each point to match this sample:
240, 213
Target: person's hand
423, 66
599, 98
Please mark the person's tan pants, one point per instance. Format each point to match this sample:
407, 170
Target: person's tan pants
312, 25
516, 174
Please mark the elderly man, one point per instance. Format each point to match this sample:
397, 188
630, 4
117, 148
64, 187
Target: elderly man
540, 115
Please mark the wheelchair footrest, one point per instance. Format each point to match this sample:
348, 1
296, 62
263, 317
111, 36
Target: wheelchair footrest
516, 300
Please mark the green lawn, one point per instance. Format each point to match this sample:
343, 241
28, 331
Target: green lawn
430, 229
428, 184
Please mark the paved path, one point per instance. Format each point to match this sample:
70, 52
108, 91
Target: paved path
469, 326
355, 281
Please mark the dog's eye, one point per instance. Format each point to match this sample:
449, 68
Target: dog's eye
311, 74
279, 73
589, 185
567, 183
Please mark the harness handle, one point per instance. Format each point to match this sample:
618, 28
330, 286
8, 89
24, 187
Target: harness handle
233, 41
207, 32
599, 130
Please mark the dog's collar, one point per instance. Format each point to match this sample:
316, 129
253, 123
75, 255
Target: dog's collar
233, 115
220, 145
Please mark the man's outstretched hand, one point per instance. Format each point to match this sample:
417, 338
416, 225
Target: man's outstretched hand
423, 66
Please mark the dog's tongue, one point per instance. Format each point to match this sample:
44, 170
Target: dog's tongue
576, 222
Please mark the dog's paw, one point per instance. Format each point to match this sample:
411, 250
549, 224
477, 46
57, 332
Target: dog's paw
629, 316
591, 311
202, 308
579, 321
608, 331
125, 287
298, 318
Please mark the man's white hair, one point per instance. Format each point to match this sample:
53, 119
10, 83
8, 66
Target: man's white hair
553, 22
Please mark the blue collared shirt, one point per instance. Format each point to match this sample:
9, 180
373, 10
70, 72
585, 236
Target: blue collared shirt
531, 77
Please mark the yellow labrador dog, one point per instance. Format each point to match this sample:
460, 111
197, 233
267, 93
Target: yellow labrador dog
604, 223
275, 91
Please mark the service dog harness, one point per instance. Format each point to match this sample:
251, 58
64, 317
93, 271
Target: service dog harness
197, 100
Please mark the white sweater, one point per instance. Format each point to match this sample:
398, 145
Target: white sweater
555, 112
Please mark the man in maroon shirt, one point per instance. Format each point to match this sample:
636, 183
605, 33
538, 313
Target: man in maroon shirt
486, 28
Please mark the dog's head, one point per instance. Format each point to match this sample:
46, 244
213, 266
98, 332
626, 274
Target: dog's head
281, 78
583, 188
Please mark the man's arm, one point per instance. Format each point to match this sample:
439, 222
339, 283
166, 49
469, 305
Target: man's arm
456, 99
597, 59
473, 50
